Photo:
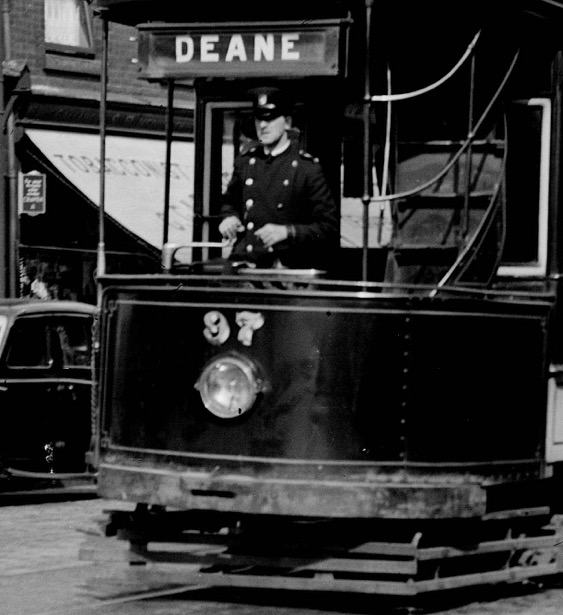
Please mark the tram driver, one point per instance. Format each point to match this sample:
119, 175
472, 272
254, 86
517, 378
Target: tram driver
277, 209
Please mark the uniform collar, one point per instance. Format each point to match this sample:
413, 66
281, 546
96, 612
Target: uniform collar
278, 150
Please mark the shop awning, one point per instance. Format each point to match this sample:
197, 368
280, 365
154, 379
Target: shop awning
135, 179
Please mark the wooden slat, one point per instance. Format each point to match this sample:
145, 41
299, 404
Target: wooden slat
193, 548
517, 513
292, 564
323, 583
399, 549
386, 548
406, 588
508, 575
364, 566
492, 546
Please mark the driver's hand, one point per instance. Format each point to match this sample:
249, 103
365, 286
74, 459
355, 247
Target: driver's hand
230, 226
271, 234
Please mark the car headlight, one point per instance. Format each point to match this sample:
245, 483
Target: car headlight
229, 385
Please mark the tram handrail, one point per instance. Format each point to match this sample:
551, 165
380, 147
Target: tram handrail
176, 281
169, 250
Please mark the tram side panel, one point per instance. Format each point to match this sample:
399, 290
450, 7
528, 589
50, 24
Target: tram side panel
368, 387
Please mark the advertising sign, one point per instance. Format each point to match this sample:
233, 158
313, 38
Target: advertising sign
33, 190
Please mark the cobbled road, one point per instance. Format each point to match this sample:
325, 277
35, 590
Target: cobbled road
41, 574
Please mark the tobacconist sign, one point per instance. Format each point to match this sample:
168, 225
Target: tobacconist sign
312, 48
32, 193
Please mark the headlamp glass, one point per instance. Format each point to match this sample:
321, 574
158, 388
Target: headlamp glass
228, 386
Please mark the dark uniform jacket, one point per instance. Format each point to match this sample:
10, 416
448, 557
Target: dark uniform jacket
289, 189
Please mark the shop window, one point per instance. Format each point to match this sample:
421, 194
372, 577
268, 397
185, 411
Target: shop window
68, 27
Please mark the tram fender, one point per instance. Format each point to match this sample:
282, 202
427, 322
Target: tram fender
278, 496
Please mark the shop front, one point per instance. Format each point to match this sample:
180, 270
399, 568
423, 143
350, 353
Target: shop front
57, 248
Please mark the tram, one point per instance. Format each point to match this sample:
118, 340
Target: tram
394, 424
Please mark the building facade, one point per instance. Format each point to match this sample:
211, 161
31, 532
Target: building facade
53, 61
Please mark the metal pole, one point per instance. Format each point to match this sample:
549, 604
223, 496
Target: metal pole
469, 154
169, 129
4, 225
555, 263
366, 198
13, 289
101, 260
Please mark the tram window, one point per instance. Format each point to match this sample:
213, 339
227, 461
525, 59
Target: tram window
527, 179
229, 131
420, 163
523, 188
352, 188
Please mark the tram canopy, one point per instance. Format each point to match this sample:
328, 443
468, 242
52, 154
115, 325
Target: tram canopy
134, 12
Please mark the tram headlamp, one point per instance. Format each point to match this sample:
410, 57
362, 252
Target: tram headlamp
229, 385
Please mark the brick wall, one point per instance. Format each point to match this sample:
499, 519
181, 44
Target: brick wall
78, 77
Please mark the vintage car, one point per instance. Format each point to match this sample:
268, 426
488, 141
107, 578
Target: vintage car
45, 388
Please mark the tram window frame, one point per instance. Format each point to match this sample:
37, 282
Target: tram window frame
212, 187
538, 266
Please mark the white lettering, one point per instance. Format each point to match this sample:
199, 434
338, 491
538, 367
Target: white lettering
288, 43
264, 47
184, 48
236, 49
217, 328
208, 53
248, 323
